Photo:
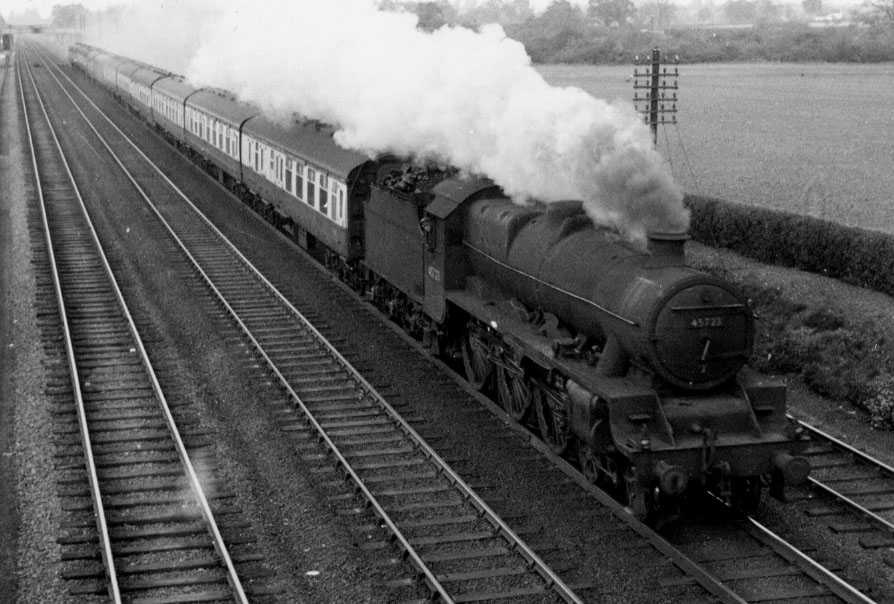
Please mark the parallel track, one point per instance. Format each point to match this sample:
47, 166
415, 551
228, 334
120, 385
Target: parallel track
793, 574
759, 564
145, 493
855, 479
460, 546
852, 493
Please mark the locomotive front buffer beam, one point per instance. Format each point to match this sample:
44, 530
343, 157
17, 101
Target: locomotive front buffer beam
715, 441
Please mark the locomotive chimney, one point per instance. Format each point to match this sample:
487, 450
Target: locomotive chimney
666, 248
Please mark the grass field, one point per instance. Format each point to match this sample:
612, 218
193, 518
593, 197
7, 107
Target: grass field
815, 139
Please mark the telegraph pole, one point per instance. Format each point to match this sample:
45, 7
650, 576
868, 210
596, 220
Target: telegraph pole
656, 104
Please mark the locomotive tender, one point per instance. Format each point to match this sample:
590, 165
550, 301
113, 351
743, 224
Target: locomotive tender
628, 359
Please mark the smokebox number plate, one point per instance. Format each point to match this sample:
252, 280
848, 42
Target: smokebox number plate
702, 322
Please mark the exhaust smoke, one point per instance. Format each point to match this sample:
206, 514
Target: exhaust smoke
454, 96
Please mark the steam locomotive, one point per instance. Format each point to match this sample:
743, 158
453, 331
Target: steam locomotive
624, 358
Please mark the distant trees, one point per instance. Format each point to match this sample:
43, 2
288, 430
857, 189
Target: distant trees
658, 14
433, 15
613, 31
812, 7
505, 12
69, 16
740, 11
885, 10
611, 12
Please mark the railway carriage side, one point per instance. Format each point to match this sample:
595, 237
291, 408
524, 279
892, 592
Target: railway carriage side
212, 120
142, 81
123, 81
168, 95
306, 182
79, 55
104, 69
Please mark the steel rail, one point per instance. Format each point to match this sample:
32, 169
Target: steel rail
408, 548
192, 475
814, 569
861, 456
808, 565
520, 546
92, 477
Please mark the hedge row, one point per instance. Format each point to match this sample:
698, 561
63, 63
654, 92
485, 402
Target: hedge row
857, 256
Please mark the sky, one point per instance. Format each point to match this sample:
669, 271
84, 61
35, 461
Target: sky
45, 6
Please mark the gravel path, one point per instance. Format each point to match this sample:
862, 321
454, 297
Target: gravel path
29, 512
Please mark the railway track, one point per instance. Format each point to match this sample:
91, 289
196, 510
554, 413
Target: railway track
124, 461
852, 494
856, 481
782, 571
458, 544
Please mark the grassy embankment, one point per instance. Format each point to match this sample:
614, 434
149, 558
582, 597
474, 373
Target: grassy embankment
838, 355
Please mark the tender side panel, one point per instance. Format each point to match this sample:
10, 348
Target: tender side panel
394, 243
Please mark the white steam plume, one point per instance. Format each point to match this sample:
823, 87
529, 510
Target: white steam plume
470, 99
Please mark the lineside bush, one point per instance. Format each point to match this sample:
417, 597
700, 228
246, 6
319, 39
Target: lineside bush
839, 358
857, 256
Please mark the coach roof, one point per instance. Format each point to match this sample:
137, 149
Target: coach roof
147, 75
222, 105
311, 141
175, 87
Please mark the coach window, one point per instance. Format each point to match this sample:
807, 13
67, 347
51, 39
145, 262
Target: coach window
311, 187
288, 183
341, 204
324, 194
299, 180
